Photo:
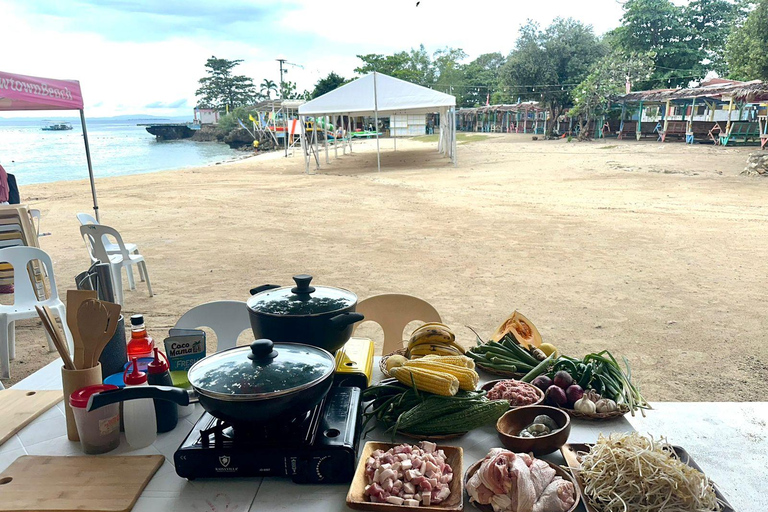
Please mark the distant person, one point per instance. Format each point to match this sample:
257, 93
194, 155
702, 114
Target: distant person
4, 189
13, 190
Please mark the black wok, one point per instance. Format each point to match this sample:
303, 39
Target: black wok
260, 384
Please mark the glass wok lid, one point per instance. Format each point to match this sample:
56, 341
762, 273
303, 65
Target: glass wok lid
302, 299
261, 370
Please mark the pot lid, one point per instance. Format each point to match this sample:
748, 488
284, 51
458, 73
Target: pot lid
302, 299
261, 370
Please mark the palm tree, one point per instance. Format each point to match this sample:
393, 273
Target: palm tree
267, 86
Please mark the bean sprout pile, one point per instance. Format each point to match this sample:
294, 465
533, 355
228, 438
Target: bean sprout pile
633, 473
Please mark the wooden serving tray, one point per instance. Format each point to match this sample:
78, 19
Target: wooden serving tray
357, 499
569, 452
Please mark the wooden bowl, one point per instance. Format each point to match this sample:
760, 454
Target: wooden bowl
558, 472
515, 420
489, 385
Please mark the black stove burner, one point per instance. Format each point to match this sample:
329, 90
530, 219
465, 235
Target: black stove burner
318, 447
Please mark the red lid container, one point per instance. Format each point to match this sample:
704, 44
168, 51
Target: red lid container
136, 377
158, 365
80, 397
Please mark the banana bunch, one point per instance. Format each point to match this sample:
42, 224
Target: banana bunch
433, 339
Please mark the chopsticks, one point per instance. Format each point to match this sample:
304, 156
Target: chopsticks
59, 341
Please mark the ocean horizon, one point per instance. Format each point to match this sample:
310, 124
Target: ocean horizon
118, 148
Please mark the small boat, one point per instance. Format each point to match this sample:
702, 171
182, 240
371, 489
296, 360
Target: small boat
56, 127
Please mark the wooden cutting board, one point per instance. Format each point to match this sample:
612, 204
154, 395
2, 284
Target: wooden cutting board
18, 407
76, 484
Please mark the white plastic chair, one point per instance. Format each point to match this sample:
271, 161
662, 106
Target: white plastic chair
112, 248
94, 235
393, 311
24, 302
226, 318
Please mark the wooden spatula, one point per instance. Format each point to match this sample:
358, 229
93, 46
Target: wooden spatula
92, 319
113, 315
74, 299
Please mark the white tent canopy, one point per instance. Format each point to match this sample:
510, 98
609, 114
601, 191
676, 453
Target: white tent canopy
375, 95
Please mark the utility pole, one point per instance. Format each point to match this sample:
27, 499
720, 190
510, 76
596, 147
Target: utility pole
281, 61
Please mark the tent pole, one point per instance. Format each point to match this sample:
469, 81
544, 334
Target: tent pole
453, 131
376, 122
336, 125
303, 133
325, 142
391, 128
90, 166
317, 146
285, 133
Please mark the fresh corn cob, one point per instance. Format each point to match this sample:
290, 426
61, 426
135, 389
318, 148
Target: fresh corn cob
439, 383
464, 361
468, 379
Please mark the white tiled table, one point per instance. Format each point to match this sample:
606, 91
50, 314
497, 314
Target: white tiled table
168, 492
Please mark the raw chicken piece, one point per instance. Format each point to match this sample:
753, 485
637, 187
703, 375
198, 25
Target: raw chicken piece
557, 497
525, 497
478, 491
541, 475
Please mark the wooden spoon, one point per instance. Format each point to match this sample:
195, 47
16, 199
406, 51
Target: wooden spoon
93, 320
74, 299
113, 313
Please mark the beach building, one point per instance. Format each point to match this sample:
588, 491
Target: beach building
205, 116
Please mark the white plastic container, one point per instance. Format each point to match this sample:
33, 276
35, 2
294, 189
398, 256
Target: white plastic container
139, 415
99, 430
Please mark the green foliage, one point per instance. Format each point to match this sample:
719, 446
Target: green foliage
221, 89
546, 64
747, 47
608, 78
480, 76
414, 66
659, 26
267, 88
328, 84
228, 122
709, 22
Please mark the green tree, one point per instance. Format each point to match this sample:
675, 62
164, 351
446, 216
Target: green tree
709, 22
448, 71
288, 91
221, 89
545, 65
481, 76
328, 84
414, 66
747, 47
659, 26
608, 78
267, 88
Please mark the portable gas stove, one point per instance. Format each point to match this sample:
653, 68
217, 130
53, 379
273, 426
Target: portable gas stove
318, 447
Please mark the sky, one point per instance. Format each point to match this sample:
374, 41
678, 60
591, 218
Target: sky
145, 57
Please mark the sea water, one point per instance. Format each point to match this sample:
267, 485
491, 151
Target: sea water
118, 147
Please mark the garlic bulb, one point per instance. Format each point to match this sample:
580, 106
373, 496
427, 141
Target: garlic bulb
606, 405
584, 405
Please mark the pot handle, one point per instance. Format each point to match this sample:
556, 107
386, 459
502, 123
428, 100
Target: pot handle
344, 320
112, 396
264, 288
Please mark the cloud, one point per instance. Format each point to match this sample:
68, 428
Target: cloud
142, 56
163, 104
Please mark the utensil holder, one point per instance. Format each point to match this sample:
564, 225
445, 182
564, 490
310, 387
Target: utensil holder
71, 381
114, 355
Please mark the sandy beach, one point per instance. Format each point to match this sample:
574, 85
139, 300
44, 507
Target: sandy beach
654, 251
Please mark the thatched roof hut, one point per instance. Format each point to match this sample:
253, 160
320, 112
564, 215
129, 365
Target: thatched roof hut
717, 89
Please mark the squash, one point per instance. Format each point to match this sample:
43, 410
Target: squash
521, 329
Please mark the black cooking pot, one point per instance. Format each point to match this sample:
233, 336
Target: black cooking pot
322, 316
257, 384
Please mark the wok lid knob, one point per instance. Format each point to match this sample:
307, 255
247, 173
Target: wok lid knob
262, 351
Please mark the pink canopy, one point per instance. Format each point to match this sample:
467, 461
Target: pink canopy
21, 92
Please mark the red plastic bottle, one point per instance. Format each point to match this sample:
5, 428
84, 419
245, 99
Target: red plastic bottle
141, 344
